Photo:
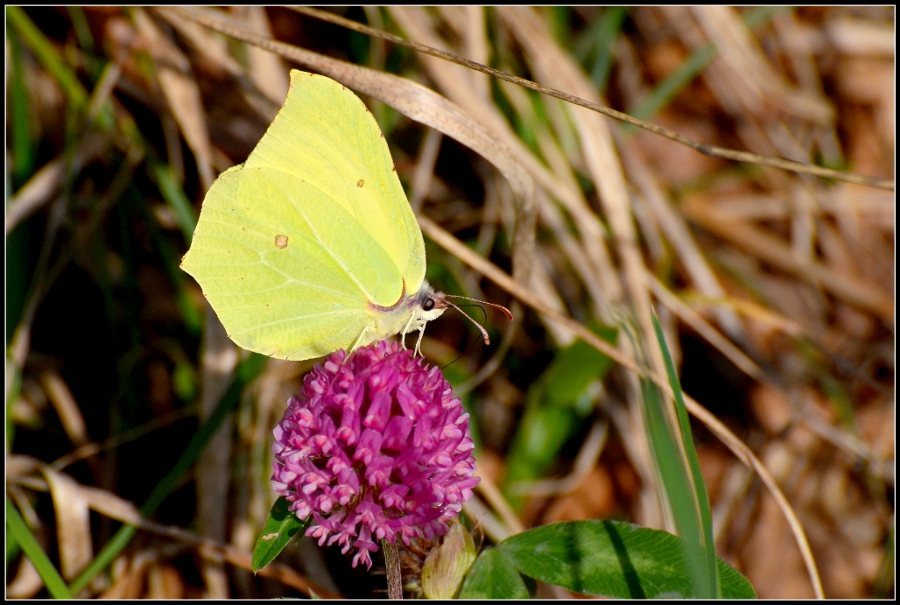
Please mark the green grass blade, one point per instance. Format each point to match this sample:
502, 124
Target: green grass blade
666, 90
59, 70
19, 125
676, 483
700, 497
663, 93
174, 195
672, 449
45, 52
15, 524
595, 46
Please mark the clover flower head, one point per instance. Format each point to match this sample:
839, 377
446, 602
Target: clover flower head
374, 447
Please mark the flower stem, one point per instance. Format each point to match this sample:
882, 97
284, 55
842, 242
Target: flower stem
392, 561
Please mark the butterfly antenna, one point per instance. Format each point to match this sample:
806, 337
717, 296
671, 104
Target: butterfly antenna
499, 307
484, 333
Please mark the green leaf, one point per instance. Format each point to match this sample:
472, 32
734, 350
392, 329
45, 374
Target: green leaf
614, 559
280, 528
494, 577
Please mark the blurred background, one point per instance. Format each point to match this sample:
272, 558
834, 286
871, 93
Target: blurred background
775, 289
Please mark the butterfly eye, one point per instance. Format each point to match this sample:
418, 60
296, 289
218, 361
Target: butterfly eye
428, 305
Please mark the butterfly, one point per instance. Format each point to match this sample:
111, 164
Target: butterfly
311, 246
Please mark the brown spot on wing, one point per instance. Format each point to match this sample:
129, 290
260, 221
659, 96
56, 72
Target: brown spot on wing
281, 241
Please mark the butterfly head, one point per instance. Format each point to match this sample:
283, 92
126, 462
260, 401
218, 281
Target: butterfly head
426, 304
423, 306
431, 304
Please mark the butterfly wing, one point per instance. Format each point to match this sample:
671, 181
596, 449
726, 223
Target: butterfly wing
292, 245
326, 136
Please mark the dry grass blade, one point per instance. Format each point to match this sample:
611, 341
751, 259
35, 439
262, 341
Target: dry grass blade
112, 506
66, 407
424, 174
45, 184
181, 93
550, 63
848, 287
267, 70
522, 293
164, 582
219, 360
693, 319
677, 232
593, 259
711, 150
758, 83
73, 528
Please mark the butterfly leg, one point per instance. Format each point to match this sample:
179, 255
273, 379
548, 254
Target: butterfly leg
405, 331
359, 340
418, 350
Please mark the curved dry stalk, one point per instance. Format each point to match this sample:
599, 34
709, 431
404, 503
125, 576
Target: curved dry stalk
737, 447
704, 148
